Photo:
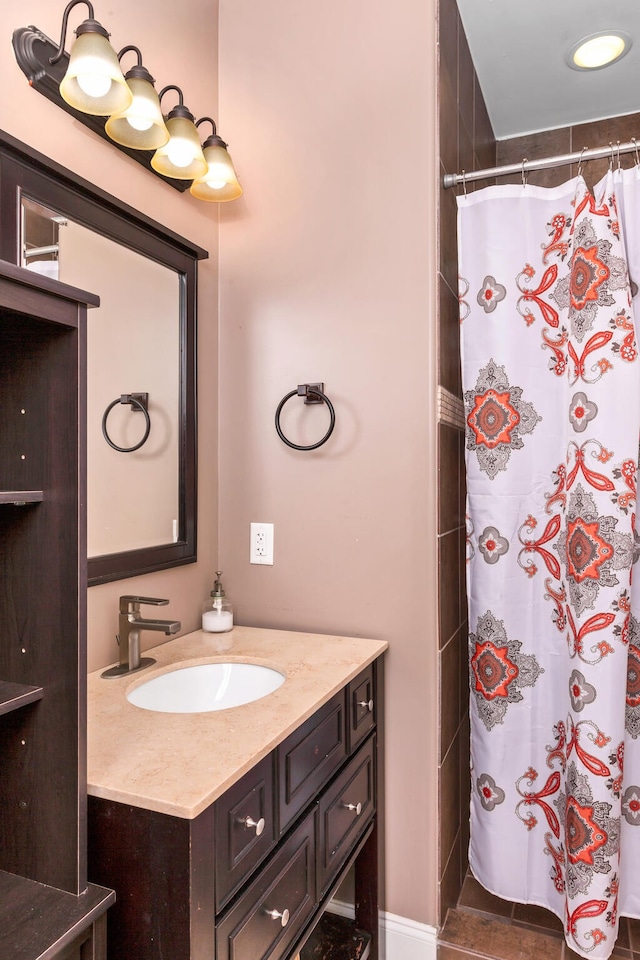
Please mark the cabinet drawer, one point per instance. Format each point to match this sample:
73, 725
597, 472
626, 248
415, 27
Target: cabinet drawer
344, 811
361, 707
309, 756
252, 929
244, 829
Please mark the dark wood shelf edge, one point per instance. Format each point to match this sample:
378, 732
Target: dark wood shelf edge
37, 921
21, 496
16, 695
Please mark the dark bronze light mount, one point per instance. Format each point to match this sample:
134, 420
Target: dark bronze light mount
122, 109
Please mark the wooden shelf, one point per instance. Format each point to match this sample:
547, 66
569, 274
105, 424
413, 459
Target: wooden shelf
16, 695
21, 496
336, 938
37, 922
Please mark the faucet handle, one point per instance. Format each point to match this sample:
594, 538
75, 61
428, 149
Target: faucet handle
129, 604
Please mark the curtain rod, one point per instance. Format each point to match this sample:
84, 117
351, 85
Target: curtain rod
525, 166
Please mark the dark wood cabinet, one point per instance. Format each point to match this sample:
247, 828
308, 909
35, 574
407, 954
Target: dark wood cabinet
344, 810
270, 915
245, 829
43, 619
308, 757
250, 877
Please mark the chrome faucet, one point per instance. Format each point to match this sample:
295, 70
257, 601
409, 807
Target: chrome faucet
130, 626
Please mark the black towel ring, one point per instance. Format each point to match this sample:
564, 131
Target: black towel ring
313, 393
138, 401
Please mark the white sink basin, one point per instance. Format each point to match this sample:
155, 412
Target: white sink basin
205, 687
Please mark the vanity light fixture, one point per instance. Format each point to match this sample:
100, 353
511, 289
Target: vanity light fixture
220, 182
125, 111
181, 156
141, 125
599, 50
93, 82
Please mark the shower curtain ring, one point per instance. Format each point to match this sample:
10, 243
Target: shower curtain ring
611, 157
618, 152
580, 161
464, 182
524, 174
635, 147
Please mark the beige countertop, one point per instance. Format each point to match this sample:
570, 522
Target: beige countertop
179, 763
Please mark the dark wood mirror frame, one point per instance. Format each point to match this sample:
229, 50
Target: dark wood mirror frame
25, 171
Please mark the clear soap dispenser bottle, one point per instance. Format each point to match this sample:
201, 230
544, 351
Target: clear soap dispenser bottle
217, 612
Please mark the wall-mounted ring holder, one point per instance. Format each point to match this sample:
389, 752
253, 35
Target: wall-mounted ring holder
312, 393
137, 401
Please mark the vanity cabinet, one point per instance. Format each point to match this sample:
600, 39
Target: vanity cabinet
250, 877
45, 903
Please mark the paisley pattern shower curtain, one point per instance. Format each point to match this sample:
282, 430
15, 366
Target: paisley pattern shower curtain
551, 382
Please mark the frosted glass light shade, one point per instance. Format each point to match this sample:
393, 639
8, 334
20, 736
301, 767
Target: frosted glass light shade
141, 126
94, 82
181, 157
220, 182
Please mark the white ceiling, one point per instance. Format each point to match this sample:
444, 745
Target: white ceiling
519, 48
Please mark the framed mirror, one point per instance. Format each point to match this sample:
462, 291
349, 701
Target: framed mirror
141, 390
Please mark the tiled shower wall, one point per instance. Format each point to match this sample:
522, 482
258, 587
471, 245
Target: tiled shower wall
466, 142
598, 133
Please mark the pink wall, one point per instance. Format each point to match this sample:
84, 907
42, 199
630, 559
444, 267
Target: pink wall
327, 273
179, 49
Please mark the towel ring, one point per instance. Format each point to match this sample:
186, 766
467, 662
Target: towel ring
313, 393
138, 401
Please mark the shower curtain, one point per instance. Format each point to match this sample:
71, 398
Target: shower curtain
551, 383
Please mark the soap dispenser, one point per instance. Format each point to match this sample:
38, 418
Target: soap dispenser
217, 612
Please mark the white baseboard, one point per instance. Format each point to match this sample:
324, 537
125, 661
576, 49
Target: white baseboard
403, 939
407, 940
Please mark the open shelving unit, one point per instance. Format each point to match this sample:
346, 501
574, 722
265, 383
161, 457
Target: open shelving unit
47, 909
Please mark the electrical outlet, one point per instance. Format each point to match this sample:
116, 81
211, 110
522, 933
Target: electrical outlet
261, 550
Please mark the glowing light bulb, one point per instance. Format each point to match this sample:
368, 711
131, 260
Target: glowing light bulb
94, 85
180, 152
217, 176
139, 124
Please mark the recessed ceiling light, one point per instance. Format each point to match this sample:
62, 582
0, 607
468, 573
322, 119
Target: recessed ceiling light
599, 50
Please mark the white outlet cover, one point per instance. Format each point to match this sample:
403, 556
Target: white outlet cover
261, 548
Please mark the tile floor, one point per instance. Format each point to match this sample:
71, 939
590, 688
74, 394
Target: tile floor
484, 926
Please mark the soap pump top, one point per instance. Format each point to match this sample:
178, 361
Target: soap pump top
217, 586
217, 612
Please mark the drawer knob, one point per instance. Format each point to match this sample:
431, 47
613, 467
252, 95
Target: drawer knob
250, 822
366, 705
282, 917
356, 807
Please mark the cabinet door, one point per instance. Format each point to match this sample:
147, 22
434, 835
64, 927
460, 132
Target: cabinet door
309, 756
361, 706
245, 829
345, 810
270, 914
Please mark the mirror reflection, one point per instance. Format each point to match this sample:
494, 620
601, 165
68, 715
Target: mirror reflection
133, 341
